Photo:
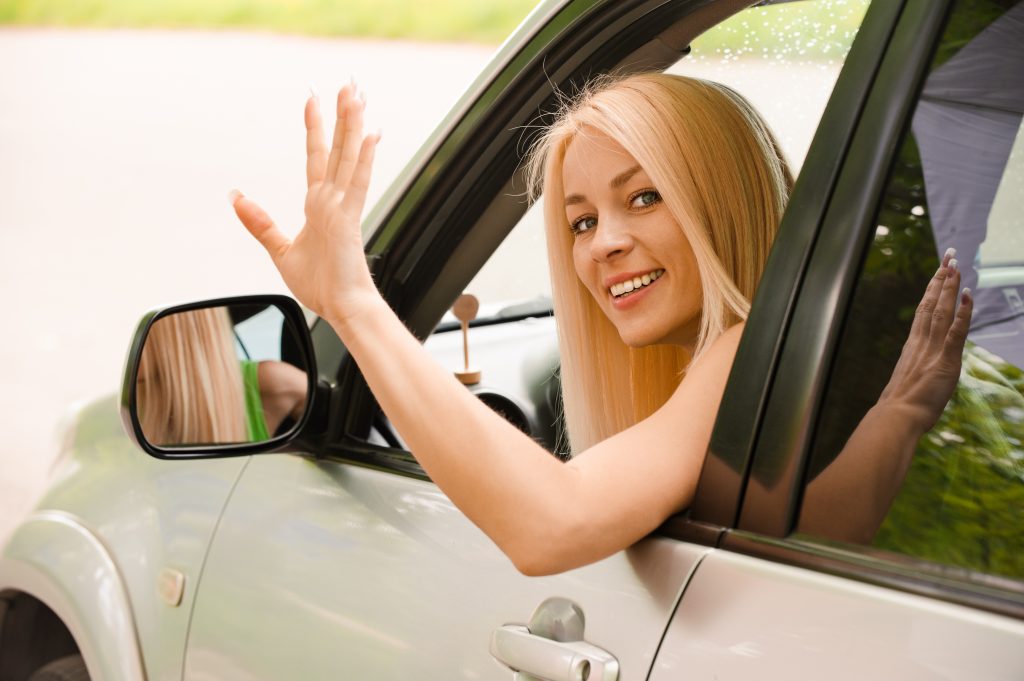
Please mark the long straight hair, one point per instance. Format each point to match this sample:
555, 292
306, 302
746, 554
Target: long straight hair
722, 176
190, 381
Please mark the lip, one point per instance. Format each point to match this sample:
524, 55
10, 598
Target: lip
637, 296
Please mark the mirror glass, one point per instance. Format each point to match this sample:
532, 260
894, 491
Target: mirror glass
221, 375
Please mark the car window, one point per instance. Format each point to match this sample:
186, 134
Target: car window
958, 181
796, 48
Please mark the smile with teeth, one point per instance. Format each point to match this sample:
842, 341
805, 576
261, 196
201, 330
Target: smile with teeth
625, 288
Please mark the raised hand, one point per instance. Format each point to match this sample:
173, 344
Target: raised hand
929, 365
323, 265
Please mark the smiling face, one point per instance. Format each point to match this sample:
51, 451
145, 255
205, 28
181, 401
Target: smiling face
628, 249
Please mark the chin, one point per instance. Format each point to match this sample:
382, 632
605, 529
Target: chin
646, 337
641, 338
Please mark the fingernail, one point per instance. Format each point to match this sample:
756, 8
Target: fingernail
965, 295
233, 196
312, 94
950, 253
953, 265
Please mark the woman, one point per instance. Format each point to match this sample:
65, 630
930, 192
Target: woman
724, 242
662, 197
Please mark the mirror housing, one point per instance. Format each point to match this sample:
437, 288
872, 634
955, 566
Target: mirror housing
224, 377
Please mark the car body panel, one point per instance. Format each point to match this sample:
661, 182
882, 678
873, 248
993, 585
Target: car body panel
321, 569
55, 558
743, 618
121, 519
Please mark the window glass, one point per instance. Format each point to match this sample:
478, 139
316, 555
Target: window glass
794, 50
958, 181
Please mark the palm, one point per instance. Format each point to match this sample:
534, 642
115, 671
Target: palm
323, 265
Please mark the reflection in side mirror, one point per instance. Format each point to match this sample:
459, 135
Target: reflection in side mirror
221, 374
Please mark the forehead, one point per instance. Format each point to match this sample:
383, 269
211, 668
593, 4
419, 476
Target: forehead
593, 158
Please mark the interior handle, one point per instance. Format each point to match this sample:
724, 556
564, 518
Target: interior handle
538, 658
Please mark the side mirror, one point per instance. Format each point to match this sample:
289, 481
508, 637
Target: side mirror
232, 376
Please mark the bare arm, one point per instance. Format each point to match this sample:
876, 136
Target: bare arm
851, 497
545, 515
282, 392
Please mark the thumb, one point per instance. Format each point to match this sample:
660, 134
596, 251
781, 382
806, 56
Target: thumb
259, 224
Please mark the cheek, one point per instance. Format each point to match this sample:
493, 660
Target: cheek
583, 265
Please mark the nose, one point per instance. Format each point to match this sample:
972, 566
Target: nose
612, 239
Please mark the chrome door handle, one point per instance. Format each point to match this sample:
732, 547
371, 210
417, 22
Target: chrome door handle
536, 657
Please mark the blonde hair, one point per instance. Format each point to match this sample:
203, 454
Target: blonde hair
722, 176
189, 386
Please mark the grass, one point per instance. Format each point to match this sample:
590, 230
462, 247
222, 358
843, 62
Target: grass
485, 21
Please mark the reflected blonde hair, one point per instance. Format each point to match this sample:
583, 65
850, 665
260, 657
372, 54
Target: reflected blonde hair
189, 386
722, 176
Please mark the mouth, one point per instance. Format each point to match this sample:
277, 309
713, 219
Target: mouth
624, 289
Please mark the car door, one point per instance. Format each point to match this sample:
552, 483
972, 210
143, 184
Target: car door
353, 563
938, 590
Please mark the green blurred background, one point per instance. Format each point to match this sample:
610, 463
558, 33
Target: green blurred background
477, 21
487, 21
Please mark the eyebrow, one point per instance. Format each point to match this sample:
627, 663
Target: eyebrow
617, 181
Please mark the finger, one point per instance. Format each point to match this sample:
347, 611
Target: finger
350, 150
346, 99
923, 316
948, 255
259, 224
942, 315
957, 335
355, 196
316, 146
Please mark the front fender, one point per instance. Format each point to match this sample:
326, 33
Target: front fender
54, 557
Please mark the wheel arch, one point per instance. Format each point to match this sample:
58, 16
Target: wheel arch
55, 560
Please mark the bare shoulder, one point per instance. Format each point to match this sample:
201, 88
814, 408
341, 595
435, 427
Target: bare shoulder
280, 378
720, 355
705, 379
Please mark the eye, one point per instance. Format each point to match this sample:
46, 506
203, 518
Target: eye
582, 224
644, 198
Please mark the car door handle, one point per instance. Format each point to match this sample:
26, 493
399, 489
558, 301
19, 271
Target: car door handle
536, 657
